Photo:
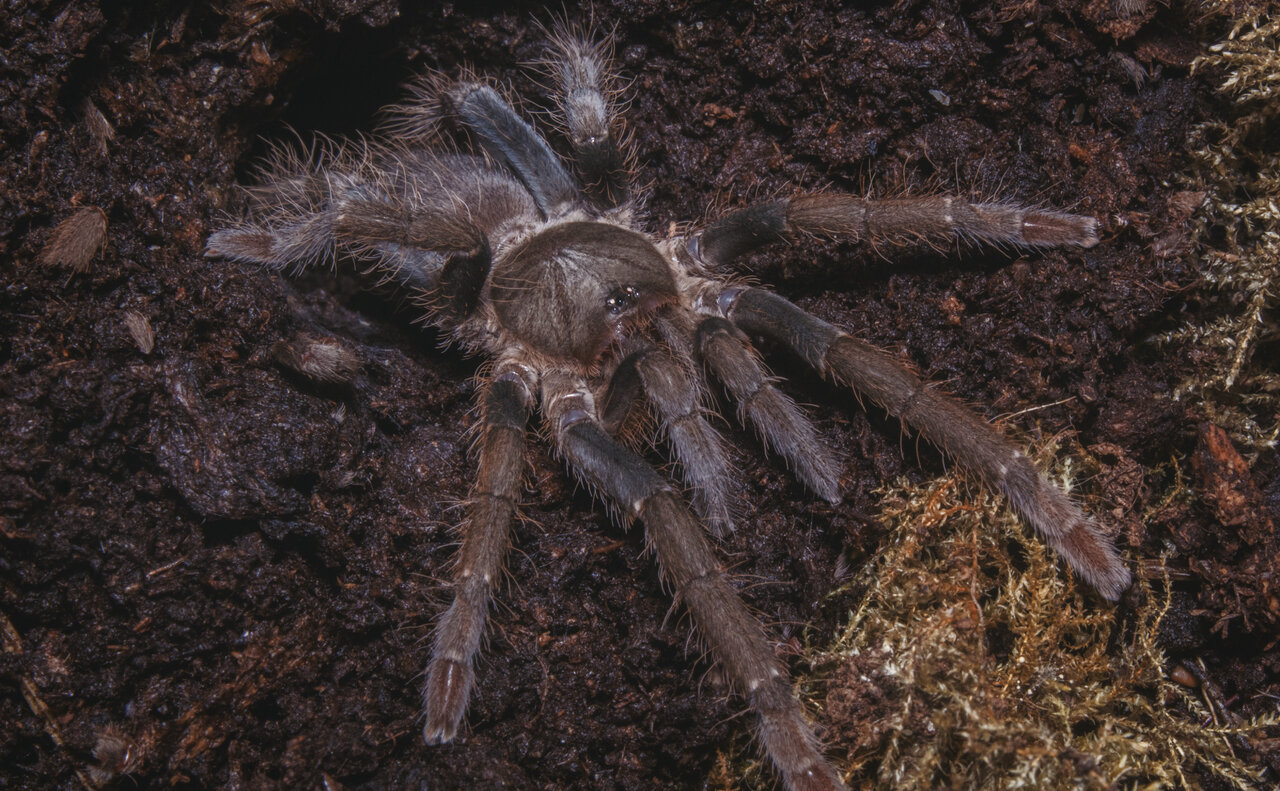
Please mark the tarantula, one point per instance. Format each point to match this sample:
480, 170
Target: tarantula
584, 315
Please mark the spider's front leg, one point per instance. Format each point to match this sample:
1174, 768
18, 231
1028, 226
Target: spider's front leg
505, 404
943, 421
734, 636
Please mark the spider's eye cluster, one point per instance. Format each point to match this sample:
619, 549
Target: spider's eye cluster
622, 300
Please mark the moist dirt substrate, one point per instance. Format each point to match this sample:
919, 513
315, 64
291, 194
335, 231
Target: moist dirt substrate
217, 573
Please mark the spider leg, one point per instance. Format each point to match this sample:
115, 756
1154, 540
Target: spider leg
448, 286
431, 246
505, 405
408, 267
942, 420
674, 393
509, 139
295, 216
780, 423
416, 217
933, 219
586, 95
303, 243
425, 219
734, 636
368, 213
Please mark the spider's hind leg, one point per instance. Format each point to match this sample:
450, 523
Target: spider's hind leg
293, 215
425, 219
944, 422
509, 139
587, 96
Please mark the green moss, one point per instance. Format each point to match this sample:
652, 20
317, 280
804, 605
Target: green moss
1237, 166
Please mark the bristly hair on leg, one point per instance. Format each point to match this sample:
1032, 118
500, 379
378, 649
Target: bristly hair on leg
292, 211
590, 103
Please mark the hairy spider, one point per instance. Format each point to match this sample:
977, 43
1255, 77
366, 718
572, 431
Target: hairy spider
584, 314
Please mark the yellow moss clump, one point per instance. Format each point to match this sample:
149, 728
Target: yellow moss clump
1237, 165
971, 660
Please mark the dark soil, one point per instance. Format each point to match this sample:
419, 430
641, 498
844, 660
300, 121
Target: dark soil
219, 574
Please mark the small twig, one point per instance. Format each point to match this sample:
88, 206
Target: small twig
1037, 408
13, 645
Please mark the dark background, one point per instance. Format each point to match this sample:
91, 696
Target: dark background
230, 572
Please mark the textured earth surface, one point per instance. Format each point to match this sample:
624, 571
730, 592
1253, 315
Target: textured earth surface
217, 573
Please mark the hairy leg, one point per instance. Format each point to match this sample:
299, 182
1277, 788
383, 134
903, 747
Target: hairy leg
933, 219
292, 215
734, 636
678, 401
424, 219
780, 423
505, 405
943, 421
416, 218
586, 94
509, 139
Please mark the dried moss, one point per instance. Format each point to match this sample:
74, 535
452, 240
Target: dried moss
971, 659
1237, 165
